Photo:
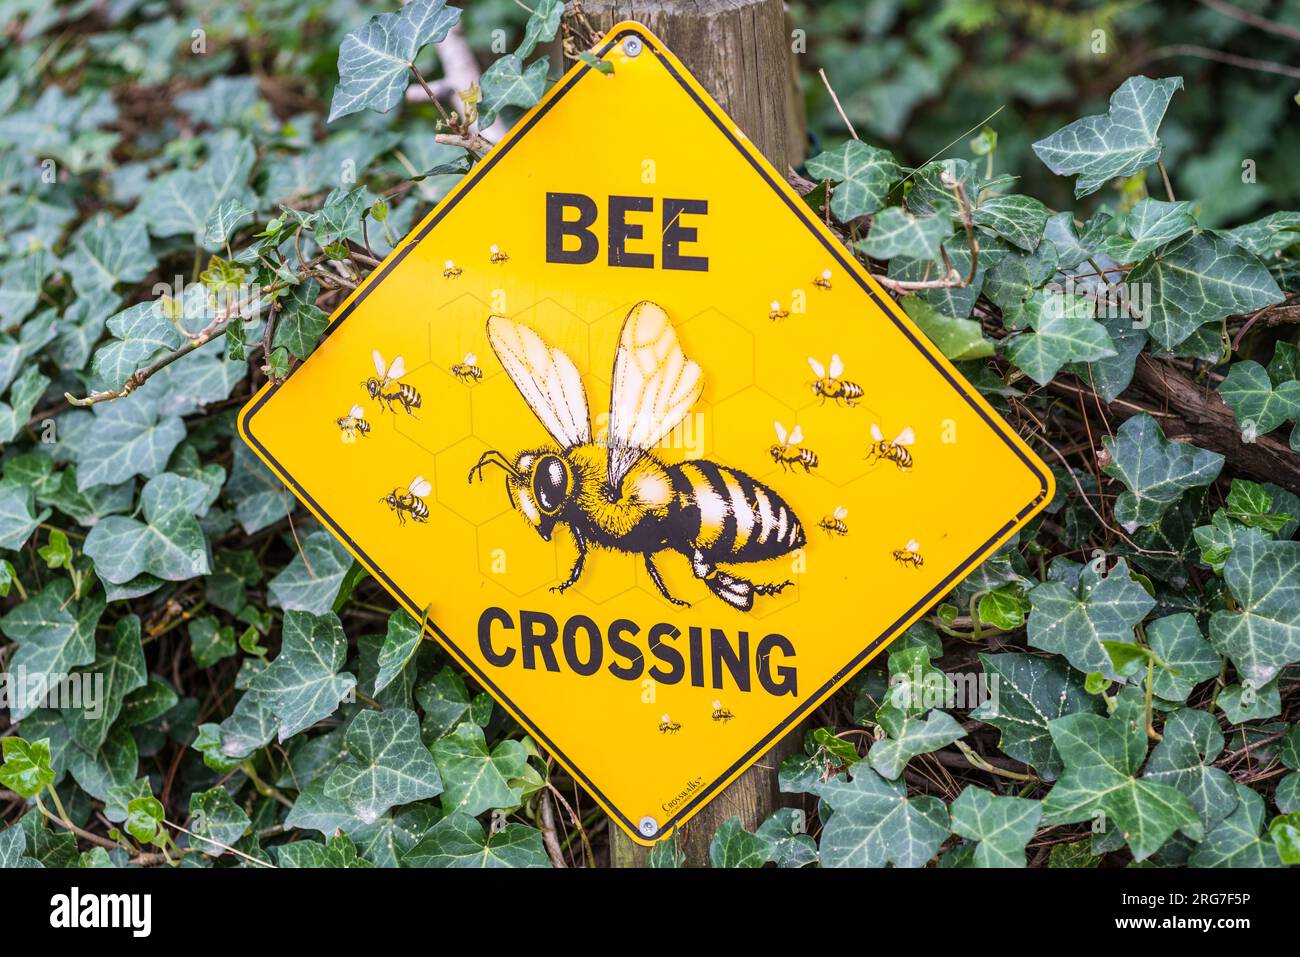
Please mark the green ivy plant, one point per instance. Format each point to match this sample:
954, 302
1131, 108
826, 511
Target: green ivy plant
264, 705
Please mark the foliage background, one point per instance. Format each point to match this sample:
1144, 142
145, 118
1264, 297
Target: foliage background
266, 707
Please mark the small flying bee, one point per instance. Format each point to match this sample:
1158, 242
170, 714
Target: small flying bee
615, 493
720, 713
667, 725
788, 453
824, 280
467, 369
411, 500
895, 451
776, 312
829, 385
451, 270
910, 554
834, 523
353, 424
386, 377
497, 256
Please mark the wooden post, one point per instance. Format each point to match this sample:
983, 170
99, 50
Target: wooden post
740, 52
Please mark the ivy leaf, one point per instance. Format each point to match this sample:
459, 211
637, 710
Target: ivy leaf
1268, 236
127, 438
224, 221
475, 779
445, 702
733, 846
21, 281
210, 642
214, 816
183, 202
109, 252
460, 841
1019, 220
26, 769
1200, 279
863, 174
1178, 642
303, 685
144, 817
875, 823
1032, 691
896, 232
114, 765
1118, 143
400, 644
1001, 825
387, 765
958, 339
1064, 331
1263, 635
300, 322
1240, 840
541, 26
17, 516
1184, 759
1155, 471
1259, 407
375, 59
120, 662
55, 634
169, 544
913, 736
259, 497
1075, 621
13, 849
1102, 757
1150, 225
339, 851
311, 581
785, 833
507, 82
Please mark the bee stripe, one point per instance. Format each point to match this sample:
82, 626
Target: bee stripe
740, 508
709, 501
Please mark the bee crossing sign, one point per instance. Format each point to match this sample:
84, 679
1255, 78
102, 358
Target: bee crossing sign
661, 461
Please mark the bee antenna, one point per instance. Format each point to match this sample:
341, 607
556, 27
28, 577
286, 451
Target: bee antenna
492, 457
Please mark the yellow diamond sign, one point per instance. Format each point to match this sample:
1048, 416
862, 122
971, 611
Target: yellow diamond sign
662, 462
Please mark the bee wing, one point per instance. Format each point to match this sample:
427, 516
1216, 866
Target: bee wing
654, 386
419, 487
471, 359
818, 369
380, 367
906, 437
837, 367
876, 433
546, 378
912, 546
397, 369
664, 718
717, 705
780, 433
841, 512
796, 435
357, 412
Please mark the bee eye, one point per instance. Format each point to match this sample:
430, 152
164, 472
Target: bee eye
550, 483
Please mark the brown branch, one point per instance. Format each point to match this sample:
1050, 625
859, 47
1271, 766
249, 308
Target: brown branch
1253, 19
1218, 56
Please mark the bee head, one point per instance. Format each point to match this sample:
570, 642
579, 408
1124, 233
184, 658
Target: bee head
539, 484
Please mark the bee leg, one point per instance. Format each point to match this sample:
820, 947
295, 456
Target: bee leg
659, 582
576, 571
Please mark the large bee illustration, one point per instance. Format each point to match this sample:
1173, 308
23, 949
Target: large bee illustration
385, 387
720, 713
834, 523
829, 385
617, 494
895, 451
788, 453
353, 424
910, 554
410, 500
467, 369
667, 725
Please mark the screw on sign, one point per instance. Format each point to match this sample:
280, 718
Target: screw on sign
655, 611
